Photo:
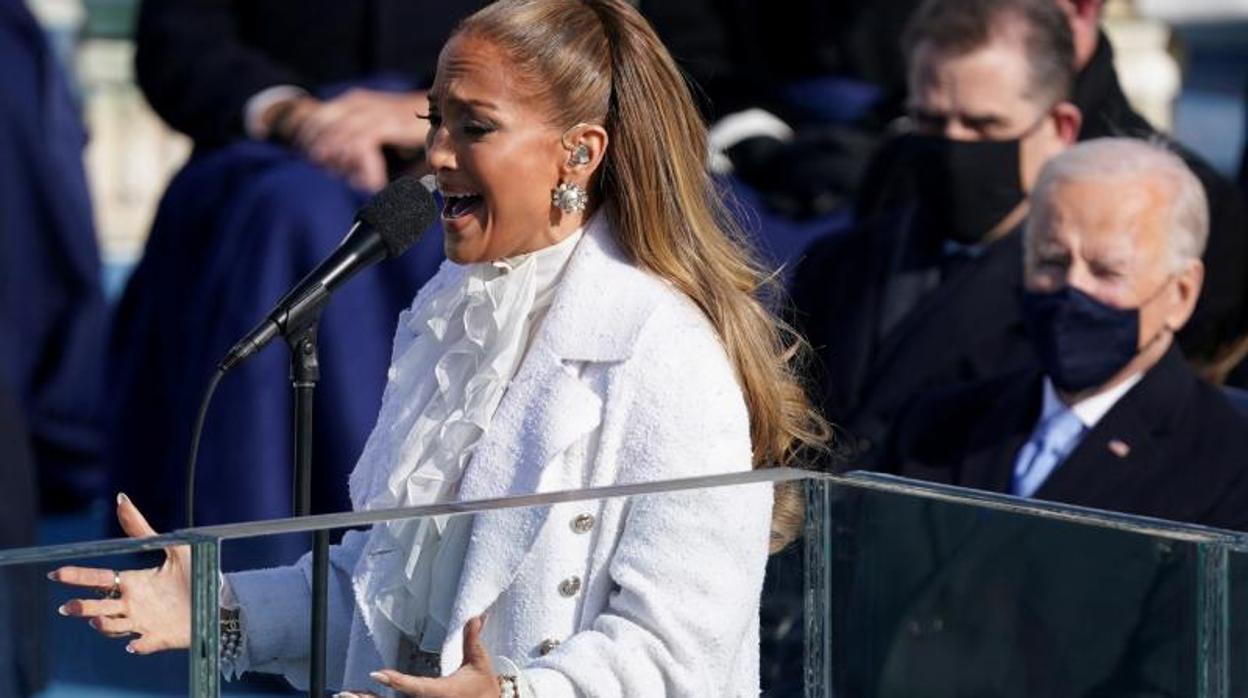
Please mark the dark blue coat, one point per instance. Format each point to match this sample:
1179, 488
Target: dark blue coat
965, 601
885, 325
52, 312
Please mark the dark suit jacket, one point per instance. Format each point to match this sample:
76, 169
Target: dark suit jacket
199, 61
1222, 313
1186, 446
956, 601
968, 327
941, 600
53, 318
22, 601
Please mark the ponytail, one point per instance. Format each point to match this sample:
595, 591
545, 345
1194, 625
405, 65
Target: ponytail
599, 61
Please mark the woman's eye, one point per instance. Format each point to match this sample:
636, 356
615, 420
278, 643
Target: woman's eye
476, 129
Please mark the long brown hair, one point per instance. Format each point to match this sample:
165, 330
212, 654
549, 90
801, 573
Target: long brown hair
600, 62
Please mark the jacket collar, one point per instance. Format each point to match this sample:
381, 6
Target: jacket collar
1127, 446
1097, 84
600, 308
588, 319
1122, 446
990, 284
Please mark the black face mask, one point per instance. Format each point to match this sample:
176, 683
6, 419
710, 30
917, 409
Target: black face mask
1081, 341
966, 188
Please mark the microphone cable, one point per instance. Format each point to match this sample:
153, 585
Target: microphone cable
195, 434
390, 223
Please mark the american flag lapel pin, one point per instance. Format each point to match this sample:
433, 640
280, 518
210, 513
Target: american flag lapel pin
1119, 448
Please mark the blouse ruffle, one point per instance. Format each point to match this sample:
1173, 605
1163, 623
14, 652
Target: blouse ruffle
456, 350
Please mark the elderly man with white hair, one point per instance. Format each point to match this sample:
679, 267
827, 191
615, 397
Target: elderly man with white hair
1113, 418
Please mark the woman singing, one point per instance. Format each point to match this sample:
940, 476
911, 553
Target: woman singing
596, 324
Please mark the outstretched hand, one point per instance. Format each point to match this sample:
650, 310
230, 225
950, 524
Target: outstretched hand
152, 604
474, 679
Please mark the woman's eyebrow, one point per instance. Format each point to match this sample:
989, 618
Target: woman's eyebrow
464, 102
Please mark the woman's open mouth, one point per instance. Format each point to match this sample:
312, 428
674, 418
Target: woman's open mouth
457, 206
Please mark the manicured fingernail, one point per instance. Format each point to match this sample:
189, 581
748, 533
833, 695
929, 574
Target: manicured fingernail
122, 498
94, 623
63, 609
130, 649
380, 678
344, 694
52, 575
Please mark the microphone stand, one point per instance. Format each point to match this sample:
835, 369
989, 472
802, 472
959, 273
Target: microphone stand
305, 371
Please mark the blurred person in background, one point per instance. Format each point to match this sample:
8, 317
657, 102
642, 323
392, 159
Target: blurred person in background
926, 297
299, 111
52, 327
21, 586
1112, 417
1213, 340
1243, 159
53, 318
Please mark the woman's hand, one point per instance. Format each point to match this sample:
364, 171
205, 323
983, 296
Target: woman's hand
474, 679
154, 604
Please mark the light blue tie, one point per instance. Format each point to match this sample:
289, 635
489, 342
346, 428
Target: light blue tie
1050, 443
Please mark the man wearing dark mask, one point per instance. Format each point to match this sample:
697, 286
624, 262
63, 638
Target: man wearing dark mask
1113, 418
927, 296
961, 601
1210, 340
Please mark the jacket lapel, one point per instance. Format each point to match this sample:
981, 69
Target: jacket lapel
1124, 448
941, 325
596, 316
867, 288
995, 442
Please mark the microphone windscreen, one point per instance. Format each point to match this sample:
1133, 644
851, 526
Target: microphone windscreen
400, 213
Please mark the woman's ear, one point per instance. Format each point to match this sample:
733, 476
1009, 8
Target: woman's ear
586, 146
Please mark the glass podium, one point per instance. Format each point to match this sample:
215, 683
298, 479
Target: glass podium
897, 588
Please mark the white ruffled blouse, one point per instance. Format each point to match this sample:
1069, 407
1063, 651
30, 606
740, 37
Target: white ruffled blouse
467, 333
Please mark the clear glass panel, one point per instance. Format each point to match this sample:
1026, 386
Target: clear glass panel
896, 589
938, 593
1236, 669
646, 579
52, 656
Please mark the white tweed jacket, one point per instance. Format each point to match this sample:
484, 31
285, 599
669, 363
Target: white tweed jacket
625, 381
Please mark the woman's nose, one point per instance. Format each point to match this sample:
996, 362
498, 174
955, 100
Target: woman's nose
438, 151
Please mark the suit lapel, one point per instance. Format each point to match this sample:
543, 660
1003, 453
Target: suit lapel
850, 330
995, 442
545, 411
1125, 447
941, 325
1099, 472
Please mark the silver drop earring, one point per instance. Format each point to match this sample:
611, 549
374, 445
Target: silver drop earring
569, 197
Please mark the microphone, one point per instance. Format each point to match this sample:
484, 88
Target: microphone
390, 223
